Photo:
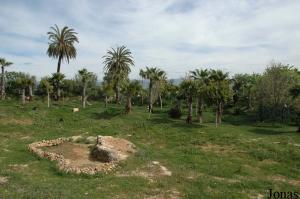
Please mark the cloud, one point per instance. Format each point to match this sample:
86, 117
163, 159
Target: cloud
177, 35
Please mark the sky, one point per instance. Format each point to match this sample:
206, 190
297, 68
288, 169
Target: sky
237, 36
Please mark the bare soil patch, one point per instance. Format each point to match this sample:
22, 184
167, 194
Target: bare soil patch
77, 158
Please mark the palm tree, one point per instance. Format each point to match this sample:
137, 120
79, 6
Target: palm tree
201, 78
117, 65
61, 46
31, 83
3, 64
23, 81
56, 81
131, 89
188, 90
218, 91
46, 85
85, 78
154, 75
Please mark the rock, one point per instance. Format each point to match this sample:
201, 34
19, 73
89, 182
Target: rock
76, 138
104, 154
91, 140
75, 110
3, 180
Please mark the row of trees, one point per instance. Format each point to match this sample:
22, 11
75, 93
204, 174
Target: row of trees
270, 95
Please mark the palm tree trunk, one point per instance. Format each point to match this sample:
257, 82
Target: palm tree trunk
190, 111
219, 114
160, 101
23, 96
59, 63
200, 110
142, 99
105, 101
2, 83
48, 98
117, 90
128, 106
150, 97
83, 96
30, 92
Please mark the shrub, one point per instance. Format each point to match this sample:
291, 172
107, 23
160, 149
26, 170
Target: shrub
175, 112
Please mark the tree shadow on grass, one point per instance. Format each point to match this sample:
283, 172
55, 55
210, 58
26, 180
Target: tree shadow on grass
269, 131
108, 114
177, 123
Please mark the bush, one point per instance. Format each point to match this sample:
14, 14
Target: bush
175, 112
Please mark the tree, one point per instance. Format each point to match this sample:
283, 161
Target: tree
155, 77
272, 91
117, 65
23, 81
201, 80
45, 85
31, 83
56, 81
243, 87
3, 64
131, 89
188, 90
219, 92
295, 93
61, 46
85, 78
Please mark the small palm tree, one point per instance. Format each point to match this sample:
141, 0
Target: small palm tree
188, 90
3, 64
85, 77
131, 89
56, 80
46, 85
218, 89
61, 46
155, 77
117, 64
31, 83
201, 79
23, 81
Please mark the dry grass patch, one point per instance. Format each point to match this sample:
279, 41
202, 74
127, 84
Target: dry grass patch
170, 194
280, 178
151, 172
14, 121
219, 149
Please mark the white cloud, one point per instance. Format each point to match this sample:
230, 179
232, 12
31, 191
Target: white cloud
176, 35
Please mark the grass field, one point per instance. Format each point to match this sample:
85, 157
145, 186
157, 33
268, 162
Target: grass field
240, 159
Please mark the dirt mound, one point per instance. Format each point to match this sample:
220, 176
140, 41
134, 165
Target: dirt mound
77, 158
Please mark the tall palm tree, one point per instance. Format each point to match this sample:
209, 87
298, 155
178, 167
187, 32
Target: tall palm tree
3, 64
218, 91
61, 46
117, 63
85, 77
154, 75
201, 78
130, 89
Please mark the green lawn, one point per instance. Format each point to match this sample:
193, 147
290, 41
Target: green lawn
240, 159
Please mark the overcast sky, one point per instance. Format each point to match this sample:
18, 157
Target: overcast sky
238, 36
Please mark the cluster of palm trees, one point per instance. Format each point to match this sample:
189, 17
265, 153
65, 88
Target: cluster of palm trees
208, 87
